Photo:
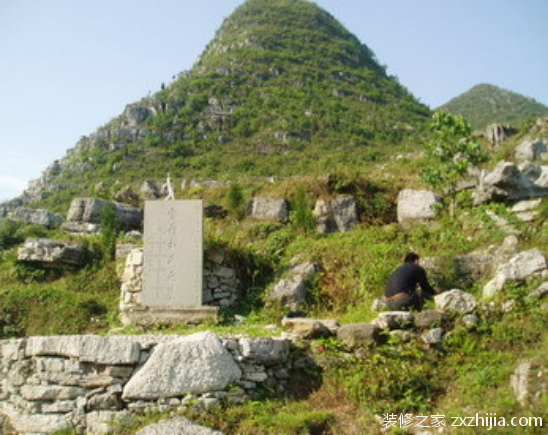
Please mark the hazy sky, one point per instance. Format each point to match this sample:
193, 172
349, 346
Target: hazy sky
69, 66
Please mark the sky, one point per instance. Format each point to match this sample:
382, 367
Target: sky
68, 67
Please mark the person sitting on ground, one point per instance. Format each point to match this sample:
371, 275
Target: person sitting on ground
401, 289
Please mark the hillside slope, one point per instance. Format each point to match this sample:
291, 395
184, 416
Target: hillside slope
486, 104
282, 89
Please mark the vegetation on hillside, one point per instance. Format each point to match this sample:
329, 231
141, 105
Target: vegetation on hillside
486, 104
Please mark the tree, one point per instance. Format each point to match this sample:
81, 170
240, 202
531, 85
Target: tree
452, 151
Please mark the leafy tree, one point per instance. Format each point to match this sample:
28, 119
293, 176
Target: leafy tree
452, 151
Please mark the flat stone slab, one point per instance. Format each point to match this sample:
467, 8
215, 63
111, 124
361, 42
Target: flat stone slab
198, 363
178, 425
147, 316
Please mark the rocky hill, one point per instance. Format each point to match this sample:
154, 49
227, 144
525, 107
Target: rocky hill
487, 104
282, 89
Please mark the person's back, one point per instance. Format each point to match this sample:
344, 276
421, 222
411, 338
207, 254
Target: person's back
401, 288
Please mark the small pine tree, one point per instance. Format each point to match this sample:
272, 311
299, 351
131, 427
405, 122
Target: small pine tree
108, 232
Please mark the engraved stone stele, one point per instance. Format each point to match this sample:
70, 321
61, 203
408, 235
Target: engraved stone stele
173, 265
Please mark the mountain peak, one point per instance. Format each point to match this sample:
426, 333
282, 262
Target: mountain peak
486, 104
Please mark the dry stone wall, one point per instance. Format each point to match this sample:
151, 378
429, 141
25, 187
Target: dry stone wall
221, 285
53, 383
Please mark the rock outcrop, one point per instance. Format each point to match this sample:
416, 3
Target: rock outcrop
417, 205
266, 208
292, 290
32, 216
53, 253
337, 215
86, 213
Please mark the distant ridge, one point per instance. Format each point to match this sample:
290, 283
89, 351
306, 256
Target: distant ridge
486, 104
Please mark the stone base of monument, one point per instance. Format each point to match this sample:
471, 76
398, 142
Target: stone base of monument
147, 316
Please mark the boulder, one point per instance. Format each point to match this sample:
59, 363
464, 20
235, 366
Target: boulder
292, 290
266, 208
527, 211
40, 217
311, 328
529, 383
89, 211
264, 349
532, 150
53, 253
394, 320
337, 215
433, 336
508, 182
417, 205
195, 364
177, 425
126, 195
520, 267
496, 134
358, 334
429, 318
456, 301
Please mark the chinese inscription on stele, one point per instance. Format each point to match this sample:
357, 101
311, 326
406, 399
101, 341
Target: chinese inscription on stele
173, 254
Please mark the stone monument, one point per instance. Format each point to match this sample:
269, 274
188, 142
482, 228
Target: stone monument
173, 265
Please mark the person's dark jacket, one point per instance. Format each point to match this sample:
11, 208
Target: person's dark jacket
406, 278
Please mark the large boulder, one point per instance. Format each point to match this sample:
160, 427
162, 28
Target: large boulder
337, 215
53, 253
417, 205
510, 182
520, 267
266, 208
195, 364
90, 210
40, 217
498, 133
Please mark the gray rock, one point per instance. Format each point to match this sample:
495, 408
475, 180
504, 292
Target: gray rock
358, 334
264, 350
52, 253
529, 383
433, 337
417, 205
40, 217
265, 208
136, 114
86, 348
498, 133
394, 320
531, 149
520, 267
178, 425
539, 293
470, 320
337, 215
292, 290
24, 423
311, 328
97, 422
508, 182
150, 190
456, 301
428, 318
89, 211
197, 363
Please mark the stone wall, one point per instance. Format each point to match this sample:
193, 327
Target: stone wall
220, 283
80, 382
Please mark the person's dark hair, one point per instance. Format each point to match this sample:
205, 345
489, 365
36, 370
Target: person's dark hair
411, 257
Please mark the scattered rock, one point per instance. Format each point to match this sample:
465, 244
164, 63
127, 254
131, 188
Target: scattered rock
177, 425
89, 211
532, 150
311, 328
470, 320
456, 301
417, 205
127, 196
520, 267
358, 334
292, 291
53, 253
429, 318
433, 337
394, 320
265, 208
539, 293
337, 215
40, 217
150, 190
526, 211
